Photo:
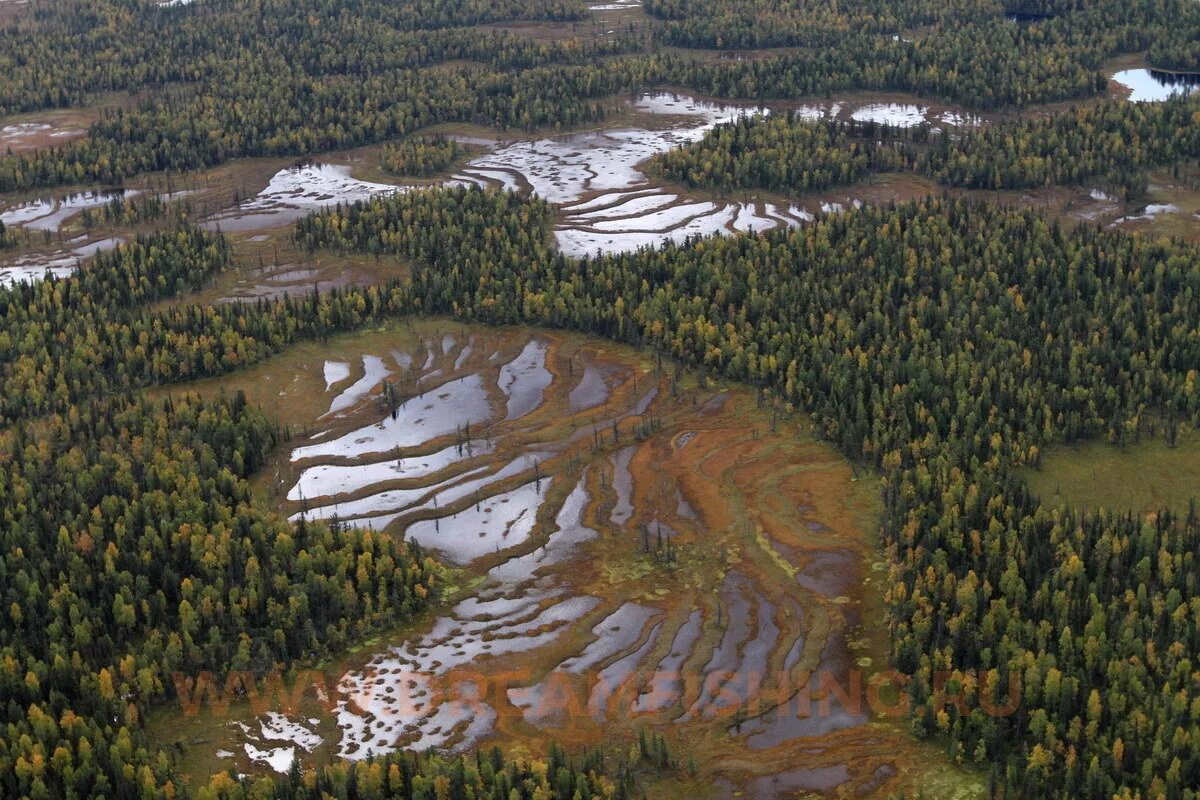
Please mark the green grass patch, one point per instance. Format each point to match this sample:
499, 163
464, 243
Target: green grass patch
1143, 477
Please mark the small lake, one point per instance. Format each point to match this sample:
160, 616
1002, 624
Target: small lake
1027, 17
1152, 85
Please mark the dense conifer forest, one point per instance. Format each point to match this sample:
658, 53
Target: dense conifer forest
487, 775
1112, 144
946, 343
421, 157
371, 71
132, 546
943, 345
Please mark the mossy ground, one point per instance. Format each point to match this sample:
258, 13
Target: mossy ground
769, 501
1143, 478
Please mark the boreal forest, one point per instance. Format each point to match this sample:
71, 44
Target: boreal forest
616, 399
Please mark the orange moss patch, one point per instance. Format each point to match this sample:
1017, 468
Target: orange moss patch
747, 513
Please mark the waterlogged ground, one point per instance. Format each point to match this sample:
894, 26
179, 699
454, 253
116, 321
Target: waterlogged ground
49, 213
23, 136
58, 261
1149, 85
630, 549
606, 201
296, 191
51, 241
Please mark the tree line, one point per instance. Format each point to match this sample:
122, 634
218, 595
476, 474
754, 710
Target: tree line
1178, 48
1110, 143
594, 774
66, 54
1177, 54
946, 342
95, 334
422, 156
245, 78
1086, 31
788, 154
724, 24
277, 114
131, 547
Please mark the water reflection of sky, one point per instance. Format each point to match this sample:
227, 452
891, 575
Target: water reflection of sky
1150, 86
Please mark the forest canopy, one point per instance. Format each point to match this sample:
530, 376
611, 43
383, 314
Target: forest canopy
1112, 143
944, 343
375, 71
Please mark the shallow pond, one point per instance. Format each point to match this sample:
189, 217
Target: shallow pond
591, 391
492, 525
623, 484
551, 594
374, 371
1148, 86
615, 634
570, 531
293, 193
736, 610
439, 412
60, 263
524, 379
49, 213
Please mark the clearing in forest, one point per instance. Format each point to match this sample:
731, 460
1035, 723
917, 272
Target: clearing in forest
632, 547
